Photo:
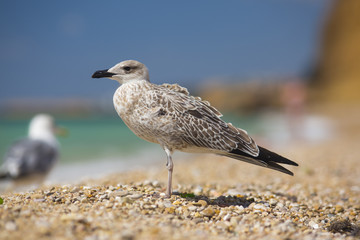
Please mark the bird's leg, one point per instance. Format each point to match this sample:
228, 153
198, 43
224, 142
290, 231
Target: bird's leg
169, 166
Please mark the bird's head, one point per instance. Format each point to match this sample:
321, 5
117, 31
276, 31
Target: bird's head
43, 127
124, 72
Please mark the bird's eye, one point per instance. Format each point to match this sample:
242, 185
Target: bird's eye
127, 68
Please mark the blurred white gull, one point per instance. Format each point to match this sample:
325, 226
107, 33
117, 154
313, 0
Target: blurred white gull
34, 156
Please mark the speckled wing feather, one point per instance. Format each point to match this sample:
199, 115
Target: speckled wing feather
176, 88
200, 123
201, 129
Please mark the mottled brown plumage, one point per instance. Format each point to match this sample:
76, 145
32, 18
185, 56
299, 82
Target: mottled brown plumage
167, 115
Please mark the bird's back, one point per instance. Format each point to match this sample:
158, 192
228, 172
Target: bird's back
28, 156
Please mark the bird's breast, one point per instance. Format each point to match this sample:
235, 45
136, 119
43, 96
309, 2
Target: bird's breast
131, 102
128, 96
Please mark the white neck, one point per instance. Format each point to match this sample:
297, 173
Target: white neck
126, 81
46, 135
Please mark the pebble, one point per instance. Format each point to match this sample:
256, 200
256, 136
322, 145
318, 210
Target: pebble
121, 193
192, 208
233, 192
202, 203
259, 207
169, 210
208, 212
339, 208
37, 196
167, 204
198, 190
313, 224
273, 202
227, 217
177, 202
10, 226
135, 196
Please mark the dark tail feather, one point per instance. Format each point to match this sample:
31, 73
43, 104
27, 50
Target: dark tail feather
266, 159
266, 155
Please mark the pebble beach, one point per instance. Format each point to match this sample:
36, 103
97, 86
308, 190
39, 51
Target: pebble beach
215, 198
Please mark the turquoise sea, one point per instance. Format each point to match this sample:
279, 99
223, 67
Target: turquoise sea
91, 139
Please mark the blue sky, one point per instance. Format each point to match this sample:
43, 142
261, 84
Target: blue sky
51, 48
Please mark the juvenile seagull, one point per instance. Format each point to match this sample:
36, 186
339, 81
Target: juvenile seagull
167, 115
34, 156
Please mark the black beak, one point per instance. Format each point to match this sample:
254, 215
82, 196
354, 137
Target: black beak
102, 74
